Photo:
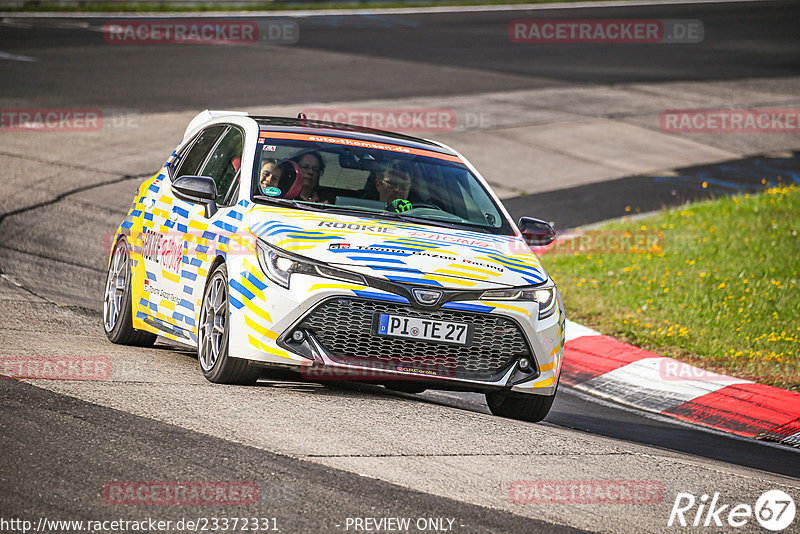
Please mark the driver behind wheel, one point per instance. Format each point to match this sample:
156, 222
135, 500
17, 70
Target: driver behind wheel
395, 182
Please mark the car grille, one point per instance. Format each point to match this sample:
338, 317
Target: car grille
343, 326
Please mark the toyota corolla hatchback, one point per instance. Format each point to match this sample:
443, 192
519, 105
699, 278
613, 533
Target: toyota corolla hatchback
343, 253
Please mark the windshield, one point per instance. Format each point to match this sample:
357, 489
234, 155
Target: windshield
374, 178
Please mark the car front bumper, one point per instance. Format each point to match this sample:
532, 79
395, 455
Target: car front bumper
335, 346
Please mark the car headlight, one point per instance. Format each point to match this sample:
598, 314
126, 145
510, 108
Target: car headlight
279, 266
545, 296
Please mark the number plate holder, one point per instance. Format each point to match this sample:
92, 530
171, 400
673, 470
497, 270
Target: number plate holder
422, 329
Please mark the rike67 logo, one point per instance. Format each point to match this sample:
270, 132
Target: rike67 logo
774, 510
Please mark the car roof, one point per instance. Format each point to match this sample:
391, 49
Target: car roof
349, 131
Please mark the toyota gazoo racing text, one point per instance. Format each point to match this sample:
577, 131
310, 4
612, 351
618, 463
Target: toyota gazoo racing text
342, 253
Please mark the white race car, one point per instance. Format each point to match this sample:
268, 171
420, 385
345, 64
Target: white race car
343, 253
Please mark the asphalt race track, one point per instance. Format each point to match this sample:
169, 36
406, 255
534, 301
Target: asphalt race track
322, 453
341, 58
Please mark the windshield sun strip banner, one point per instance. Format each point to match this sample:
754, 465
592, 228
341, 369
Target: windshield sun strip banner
357, 143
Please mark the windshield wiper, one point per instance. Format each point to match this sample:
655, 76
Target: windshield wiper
369, 213
346, 209
436, 222
280, 201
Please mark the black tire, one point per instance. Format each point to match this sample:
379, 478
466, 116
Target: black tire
531, 408
212, 347
117, 307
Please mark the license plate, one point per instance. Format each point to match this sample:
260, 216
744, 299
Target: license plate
423, 329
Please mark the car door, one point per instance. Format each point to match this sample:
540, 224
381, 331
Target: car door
204, 237
171, 228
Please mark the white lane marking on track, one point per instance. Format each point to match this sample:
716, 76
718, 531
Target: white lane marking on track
12, 23
17, 57
21, 21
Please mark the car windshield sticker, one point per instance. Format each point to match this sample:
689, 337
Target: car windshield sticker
357, 143
272, 191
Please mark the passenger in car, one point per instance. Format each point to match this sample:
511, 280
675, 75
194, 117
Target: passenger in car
270, 174
312, 167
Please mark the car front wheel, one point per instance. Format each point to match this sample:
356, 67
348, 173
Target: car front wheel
212, 339
117, 309
532, 408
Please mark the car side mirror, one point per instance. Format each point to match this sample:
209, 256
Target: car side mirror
200, 189
536, 232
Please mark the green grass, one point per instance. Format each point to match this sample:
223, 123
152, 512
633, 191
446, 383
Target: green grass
135, 7
719, 290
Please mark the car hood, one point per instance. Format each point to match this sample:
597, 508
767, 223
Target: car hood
399, 251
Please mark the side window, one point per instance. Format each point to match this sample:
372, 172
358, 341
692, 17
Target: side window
196, 155
224, 162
